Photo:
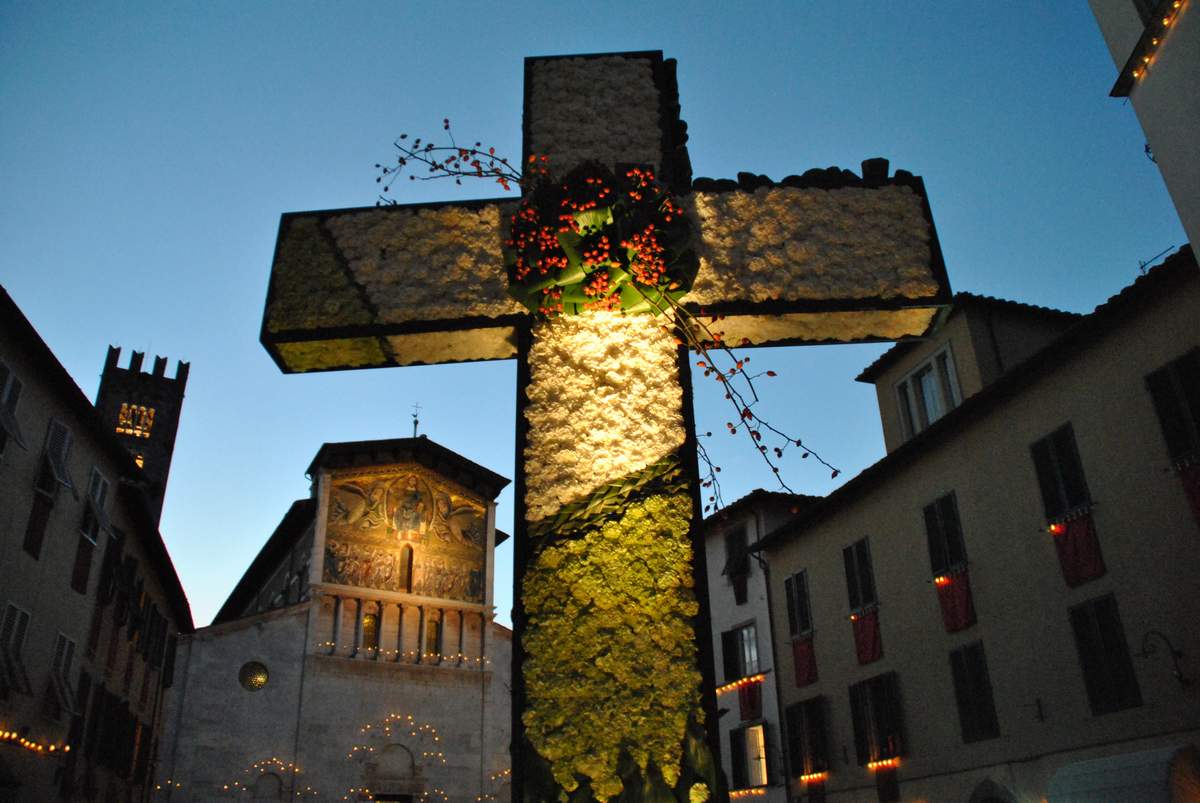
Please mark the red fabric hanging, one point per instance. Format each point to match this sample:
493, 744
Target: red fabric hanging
958, 606
1189, 475
868, 643
804, 658
1078, 549
750, 700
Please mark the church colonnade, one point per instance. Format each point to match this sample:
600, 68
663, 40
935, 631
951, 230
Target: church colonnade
403, 632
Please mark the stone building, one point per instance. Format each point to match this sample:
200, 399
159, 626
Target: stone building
91, 604
1004, 607
357, 658
747, 703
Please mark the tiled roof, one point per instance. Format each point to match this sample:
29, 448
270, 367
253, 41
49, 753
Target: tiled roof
889, 357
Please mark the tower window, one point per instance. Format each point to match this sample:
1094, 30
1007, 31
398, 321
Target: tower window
135, 419
928, 393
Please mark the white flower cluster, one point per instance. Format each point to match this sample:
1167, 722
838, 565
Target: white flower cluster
604, 402
603, 108
790, 243
430, 263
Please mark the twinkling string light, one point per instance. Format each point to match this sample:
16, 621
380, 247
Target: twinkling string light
9, 736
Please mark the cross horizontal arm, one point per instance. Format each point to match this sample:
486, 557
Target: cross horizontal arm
403, 285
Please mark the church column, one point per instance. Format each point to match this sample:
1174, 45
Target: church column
420, 634
399, 632
462, 627
441, 635
378, 630
358, 628
337, 624
483, 622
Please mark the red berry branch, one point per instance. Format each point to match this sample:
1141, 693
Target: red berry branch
551, 253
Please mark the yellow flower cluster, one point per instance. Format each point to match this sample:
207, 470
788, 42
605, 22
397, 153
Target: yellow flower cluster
611, 657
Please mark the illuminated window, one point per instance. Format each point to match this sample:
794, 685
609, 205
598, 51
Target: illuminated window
748, 750
928, 393
135, 419
139, 459
739, 648
253, 676
370, 631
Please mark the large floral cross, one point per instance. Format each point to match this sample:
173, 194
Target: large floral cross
613, 664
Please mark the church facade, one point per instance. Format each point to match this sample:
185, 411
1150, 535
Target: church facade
357, 659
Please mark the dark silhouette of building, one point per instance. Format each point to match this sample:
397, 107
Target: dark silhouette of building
143, 410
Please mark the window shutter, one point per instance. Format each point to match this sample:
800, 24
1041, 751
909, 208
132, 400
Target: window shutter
866, 577
793, 723
737, 751
730, 649
168, 673
815, 735
889, 725
852, 578
1123, 679
1047, 479
1188, 373
803, 615
939, 561
1171, 414
82, 569
860, 715
956, 551
985, 707
789, 592
1070, 467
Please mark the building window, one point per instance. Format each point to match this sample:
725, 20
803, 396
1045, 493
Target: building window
10, 395
51, 474
12, 640
807, 743
1104, 657
928, 393
59, 697
878, 718
406, 569
135, 419
947, 552
860, 579
1175, 389
739, 651
737, 562
973, 691
1060, 473
748, 750
370, 631
795, 588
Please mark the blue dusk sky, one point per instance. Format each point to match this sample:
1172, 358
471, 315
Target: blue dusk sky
147, 151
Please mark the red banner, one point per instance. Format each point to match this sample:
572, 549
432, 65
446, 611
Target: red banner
958, 606
868, 643
804, 659
750, 700
1078, 549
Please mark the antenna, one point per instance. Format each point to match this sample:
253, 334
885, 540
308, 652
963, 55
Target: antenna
416, 410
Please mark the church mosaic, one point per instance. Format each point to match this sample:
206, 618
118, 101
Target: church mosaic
406, 530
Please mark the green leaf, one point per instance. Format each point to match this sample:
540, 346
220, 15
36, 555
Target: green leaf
632, 301
594, 220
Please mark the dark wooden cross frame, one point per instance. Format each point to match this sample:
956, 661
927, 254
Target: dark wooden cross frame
824, 257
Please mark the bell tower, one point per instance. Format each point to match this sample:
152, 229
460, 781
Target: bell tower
143, 410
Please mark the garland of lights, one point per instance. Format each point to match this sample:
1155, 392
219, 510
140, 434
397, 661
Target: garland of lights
263, 766
599, 241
